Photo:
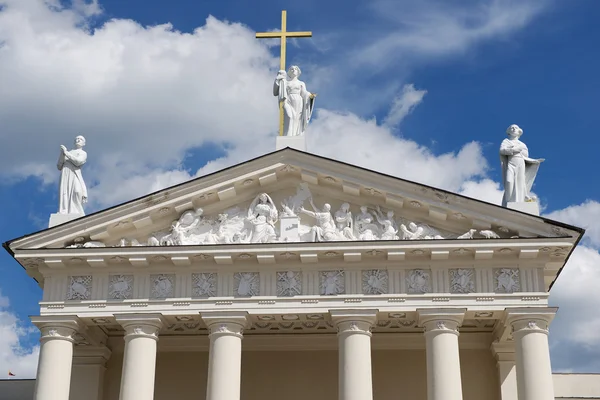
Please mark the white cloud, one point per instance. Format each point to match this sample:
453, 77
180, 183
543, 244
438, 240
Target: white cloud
403, 104
585, 215
434, 28
485, 189
13, 356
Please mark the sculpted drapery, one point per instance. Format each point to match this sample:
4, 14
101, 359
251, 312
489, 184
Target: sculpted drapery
72, 189
518, 170
297, 101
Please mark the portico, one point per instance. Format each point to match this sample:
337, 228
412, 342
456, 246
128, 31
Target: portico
211, 292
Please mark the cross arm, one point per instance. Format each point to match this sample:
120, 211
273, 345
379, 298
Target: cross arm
283, 34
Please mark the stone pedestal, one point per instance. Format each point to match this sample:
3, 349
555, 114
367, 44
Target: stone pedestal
139, 357
529, 207
441, 347
53, 380
355, 380
59, 219
225, 354
288, 229
295, 142
534, 372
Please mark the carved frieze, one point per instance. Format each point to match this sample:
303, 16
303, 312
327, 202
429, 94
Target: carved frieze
462, 280
507, 280
247, 284
332, 282
418, 281
375, 281
120, 287
162, 286
80, 288
289, 283
204, 284
268, 220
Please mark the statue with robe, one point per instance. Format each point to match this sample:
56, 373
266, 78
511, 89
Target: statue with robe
518, 170
297, 102
72, 190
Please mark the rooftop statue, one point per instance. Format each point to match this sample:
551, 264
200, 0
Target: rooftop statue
296, 101
518, 170
72, 190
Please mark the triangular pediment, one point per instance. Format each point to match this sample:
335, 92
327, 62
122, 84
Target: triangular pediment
221, 208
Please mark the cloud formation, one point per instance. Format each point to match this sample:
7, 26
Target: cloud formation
15, 357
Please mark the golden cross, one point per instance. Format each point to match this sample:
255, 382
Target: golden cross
283, 35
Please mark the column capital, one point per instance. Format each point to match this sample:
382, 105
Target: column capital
530, 319
441, 320
61, 327
226, 323
140, 325
354, 321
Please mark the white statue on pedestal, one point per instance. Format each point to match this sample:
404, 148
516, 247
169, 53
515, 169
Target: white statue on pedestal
72, 190
297, 101
518, 170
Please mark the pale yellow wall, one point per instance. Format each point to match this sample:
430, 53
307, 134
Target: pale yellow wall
302, 375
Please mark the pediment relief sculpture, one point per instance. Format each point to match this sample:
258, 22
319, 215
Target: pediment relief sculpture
297, 219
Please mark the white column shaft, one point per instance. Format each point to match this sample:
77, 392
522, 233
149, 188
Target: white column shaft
534, 372
225, 357
139, 366
224, 367
443, 365
139, 357
441, 347
53, 380
355, 378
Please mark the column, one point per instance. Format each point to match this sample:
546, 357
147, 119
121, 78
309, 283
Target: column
530, 334
441, 346
139, 357
355, 379
504, 353
56, 356
89, 366
225, 355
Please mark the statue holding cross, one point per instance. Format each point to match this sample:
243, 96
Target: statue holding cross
295, 102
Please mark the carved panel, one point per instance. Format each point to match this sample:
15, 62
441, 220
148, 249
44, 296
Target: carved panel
162, 286
246, 284
332, 282
120, 287
462, 280
507, 280
204, 284
418, 281
289, 283
80, 287
375, 281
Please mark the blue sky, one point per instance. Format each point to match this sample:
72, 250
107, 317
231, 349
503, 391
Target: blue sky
422, 90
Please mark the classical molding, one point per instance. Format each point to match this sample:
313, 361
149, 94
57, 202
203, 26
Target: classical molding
140, 325
441, 320
530, 320
226, 323
354, 321
62, 327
